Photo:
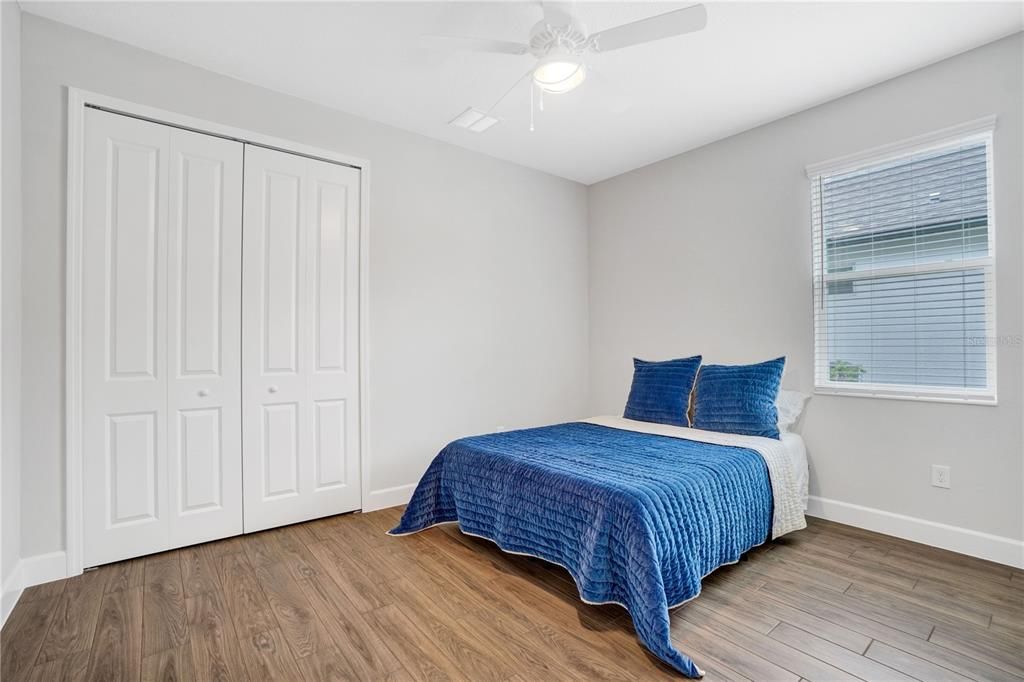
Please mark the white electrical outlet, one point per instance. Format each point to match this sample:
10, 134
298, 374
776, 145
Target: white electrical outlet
940, 476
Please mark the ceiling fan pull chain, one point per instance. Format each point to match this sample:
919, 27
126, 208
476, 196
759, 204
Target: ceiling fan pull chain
532, 86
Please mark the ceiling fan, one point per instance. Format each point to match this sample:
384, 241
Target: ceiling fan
560, 44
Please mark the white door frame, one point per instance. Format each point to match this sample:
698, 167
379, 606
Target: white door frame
78, 101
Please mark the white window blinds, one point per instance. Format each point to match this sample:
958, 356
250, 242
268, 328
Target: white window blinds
904, 301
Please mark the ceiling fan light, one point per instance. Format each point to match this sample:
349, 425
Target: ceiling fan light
559, 74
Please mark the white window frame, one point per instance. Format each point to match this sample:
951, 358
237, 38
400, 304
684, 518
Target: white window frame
981, 129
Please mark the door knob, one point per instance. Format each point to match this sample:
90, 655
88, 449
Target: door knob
203, 393
271, 389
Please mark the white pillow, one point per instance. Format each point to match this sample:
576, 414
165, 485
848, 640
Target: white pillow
789, 405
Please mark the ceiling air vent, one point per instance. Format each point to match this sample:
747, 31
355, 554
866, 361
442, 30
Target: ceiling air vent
473, 120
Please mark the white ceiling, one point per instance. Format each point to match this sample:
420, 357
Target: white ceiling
755, 62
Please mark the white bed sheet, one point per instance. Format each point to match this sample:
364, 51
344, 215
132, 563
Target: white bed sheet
786, 459
796, 450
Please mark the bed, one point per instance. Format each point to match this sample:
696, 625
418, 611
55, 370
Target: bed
637, 512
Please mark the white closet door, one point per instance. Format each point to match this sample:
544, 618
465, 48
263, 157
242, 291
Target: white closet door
300, 318
124, 337
161, 225
204, 342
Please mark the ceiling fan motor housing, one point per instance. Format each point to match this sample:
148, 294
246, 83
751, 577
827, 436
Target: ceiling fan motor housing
569, 37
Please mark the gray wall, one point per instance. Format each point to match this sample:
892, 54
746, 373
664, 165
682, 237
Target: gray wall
478, 289
709, 252
10, 447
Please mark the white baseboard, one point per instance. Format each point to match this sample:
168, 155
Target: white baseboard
43, 568
974, 543
29, 571
388, 497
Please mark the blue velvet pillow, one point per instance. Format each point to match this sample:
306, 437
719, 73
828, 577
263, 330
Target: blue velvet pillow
739, 398
661, 391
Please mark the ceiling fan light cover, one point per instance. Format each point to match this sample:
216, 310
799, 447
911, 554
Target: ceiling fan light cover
559, 74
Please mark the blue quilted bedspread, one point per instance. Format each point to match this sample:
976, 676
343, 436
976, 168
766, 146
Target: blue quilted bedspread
637, 519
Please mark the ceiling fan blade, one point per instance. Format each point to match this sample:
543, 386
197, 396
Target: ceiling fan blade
678, 22
472, 44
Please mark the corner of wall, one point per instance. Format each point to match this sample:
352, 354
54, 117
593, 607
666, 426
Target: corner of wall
31, 571
11, 593
10, 295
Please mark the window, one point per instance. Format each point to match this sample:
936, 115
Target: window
904, 301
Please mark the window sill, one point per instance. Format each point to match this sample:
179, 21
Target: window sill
907, 394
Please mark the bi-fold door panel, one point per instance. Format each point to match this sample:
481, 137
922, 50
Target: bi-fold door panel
204, 300
300, 338
160, 338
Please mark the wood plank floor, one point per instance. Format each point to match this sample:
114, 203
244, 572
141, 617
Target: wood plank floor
336, 599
